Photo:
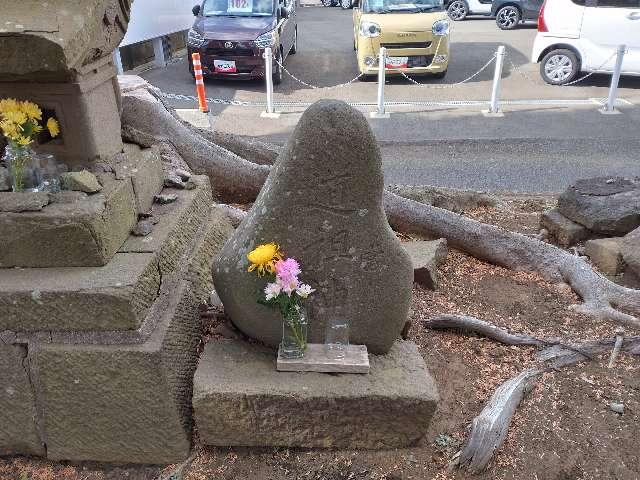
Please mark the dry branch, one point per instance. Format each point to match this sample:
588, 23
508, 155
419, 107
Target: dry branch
490, 427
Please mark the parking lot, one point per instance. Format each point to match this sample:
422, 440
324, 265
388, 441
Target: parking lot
538, 146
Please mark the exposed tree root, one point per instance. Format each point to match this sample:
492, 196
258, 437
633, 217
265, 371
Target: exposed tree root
147, 121
602, 298
490, 427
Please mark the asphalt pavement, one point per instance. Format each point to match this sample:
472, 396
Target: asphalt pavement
548, 136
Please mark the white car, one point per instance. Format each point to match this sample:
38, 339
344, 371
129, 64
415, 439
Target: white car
583, 36
459, 9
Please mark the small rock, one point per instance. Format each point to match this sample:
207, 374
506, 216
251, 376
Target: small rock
143, 228
165, 198
5, 180
189, 185
544, 233
565, 232
174, 181
83, 181
214, 300
183, 174
16, 202
426, 256
617, 407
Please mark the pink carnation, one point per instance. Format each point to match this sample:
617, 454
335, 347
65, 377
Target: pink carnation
287, 271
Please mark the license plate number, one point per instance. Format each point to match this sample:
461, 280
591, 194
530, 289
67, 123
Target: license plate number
224, 66
397, 62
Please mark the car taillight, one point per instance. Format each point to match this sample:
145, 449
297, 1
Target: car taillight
542, 25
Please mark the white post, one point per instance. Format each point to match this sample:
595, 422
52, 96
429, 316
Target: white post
382, 60
494, 108
610, 106
158, 53
268, 77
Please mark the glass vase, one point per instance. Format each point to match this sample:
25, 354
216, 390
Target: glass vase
294, 333
336, 340
22, 163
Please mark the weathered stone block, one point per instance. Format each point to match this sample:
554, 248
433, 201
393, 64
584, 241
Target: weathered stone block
564, 231
240, 399
144, 167
605, 205
18, 430
426, 256
606, 254
322, 203
630, 250
84, 233
16, 202
118, 295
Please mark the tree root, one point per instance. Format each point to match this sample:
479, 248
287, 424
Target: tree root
147, 121
603, 299
490, 427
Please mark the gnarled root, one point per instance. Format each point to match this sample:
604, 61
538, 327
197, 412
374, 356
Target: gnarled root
602, 298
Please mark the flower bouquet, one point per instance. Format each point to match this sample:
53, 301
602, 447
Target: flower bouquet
284, 291
20, 123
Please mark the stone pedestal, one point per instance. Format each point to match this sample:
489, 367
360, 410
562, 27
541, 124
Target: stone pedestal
97, 362
240, 399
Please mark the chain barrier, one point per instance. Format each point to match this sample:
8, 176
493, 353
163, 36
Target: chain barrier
450, 85
527, 77
302, 82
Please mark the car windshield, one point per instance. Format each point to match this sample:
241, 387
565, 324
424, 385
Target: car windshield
238, 8
411, 6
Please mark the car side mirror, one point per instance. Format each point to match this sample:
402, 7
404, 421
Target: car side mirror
284, 13
196, 10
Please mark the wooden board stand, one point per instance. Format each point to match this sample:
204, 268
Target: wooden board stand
355, 360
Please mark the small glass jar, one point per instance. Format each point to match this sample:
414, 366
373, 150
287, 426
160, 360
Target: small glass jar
336, 338
23, 163
294, 333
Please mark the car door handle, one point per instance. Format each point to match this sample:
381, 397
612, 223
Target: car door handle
634, 16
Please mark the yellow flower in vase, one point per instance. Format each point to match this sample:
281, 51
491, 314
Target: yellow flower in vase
264, 257
53, 127
31, 110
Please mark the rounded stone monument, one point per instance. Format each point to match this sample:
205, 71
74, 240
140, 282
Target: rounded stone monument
322, 203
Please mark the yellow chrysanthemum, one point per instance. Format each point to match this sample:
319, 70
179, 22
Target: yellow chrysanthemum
10, 129
31, 110
15, 116
53, 127
9, 105
264, 257
24, 141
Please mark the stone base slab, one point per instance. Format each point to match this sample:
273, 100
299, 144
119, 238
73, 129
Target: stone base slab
240, 399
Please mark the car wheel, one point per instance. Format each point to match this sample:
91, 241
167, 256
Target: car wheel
294, 47
457, 10
508, 17
559, 67
327, 3
346, 4
440, 75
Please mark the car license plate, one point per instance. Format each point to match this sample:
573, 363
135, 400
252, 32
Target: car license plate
224, 66
397, 62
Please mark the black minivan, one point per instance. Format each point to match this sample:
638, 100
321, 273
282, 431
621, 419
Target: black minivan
231, 36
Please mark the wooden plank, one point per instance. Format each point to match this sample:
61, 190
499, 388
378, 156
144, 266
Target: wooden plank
356, 360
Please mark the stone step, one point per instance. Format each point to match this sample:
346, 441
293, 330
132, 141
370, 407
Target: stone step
239, 399
122, 403
115, 297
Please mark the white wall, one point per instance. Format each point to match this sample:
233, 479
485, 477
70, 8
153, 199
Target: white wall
154, 18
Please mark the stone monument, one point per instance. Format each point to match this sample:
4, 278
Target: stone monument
99, 328
322, 203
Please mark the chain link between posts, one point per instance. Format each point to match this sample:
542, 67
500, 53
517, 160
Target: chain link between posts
302, 82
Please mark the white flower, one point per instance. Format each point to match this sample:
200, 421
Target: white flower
272, 290
288, 287
304, 290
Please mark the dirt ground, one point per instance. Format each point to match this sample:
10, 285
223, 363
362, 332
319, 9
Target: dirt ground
563, 430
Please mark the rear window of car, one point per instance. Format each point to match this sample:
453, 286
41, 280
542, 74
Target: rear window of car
619, 3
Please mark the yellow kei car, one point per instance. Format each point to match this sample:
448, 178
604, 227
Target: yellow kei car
415, 34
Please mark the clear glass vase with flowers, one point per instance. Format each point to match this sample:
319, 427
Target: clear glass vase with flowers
285, 291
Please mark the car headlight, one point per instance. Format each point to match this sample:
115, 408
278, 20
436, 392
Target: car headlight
369, 29
440, 28
268, 39
195, 39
